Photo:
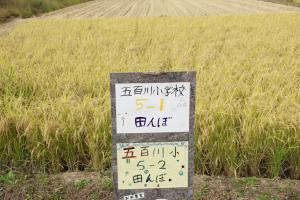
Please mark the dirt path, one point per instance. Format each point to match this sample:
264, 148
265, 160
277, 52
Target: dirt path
111, 8
6, 27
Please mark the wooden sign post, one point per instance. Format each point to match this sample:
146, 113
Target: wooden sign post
153, 135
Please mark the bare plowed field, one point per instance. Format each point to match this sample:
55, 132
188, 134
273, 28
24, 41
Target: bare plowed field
119, 8
111, 8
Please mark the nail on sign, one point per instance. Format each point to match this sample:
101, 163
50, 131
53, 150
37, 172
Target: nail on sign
153, 135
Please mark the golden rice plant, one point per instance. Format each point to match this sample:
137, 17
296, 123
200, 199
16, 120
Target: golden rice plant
55, 101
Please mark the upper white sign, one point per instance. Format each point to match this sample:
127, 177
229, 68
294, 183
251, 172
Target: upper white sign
152, 107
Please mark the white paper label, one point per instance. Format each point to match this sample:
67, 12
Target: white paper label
152, 165
152, 107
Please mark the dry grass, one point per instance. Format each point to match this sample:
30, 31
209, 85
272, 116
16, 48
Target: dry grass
54, 89
92, 185
287, 2
10, 9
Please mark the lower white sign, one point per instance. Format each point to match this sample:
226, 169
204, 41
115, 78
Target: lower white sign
152, 165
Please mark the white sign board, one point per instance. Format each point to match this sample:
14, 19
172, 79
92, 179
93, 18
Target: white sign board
152, 107
152, 165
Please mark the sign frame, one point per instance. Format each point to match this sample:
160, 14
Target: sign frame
185, 193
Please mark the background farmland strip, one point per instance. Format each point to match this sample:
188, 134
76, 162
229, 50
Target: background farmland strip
112, 8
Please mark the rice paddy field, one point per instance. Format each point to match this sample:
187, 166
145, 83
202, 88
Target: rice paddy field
55, 101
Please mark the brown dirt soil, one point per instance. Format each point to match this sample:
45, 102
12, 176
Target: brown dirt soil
117, 8
111, 8
92, 185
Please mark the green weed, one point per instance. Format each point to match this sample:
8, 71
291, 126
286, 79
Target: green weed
202, 193
82, 183
107, 183
9, 178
